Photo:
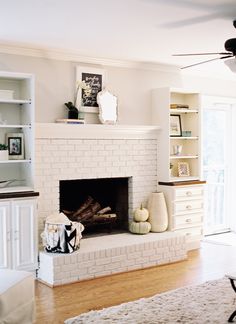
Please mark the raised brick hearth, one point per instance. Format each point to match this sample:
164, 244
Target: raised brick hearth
106, 255
72, 152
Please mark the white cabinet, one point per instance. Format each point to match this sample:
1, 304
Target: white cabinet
185, 204
17, 130
179, 139
18, 234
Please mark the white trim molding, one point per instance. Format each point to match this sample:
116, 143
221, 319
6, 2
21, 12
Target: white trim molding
93, 131
65, 55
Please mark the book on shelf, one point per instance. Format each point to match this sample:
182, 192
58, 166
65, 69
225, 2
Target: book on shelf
179, 106
70, 121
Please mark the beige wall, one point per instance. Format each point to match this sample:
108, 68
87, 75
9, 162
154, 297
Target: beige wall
55, 85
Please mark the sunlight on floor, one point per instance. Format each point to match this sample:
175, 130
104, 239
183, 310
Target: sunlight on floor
223, 239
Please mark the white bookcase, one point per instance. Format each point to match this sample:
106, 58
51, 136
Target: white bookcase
162, 99
18, 201
17, 117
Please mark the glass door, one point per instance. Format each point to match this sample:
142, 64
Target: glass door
216, 143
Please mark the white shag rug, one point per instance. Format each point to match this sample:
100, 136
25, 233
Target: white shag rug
211, 302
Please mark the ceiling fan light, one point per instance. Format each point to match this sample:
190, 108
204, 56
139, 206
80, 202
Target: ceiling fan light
231, 63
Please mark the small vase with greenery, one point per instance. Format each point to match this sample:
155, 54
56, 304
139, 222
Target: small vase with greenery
3, 152
73, 112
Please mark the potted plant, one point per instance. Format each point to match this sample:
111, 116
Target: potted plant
3, 152
73, 110
170, 168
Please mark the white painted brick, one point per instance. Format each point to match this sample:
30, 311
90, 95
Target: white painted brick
147, 253
134, 267
131, 249
134, 255
149, 264
83, 271
86, 264
74, 273
103, 273
69, 267
112, 266
103, 261
142, 260
96, 269
86, 276
118, 258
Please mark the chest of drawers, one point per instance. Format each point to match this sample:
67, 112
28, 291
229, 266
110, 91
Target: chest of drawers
185, 204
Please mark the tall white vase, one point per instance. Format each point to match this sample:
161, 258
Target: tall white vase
158, 216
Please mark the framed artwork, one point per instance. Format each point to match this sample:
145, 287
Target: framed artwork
183, 169
15, 143
175, 125
95, 78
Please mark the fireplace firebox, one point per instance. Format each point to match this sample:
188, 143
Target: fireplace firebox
101, 205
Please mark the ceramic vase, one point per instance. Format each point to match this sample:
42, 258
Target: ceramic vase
158, 216
3, 155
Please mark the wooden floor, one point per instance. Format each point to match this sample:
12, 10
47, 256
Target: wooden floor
54, 305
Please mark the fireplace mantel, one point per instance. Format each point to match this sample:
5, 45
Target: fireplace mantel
93, 131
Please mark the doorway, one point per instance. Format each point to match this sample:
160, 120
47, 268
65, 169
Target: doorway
217, 164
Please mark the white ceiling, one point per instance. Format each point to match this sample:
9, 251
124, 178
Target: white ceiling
140, 30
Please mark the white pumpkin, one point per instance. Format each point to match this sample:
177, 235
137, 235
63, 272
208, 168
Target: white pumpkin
141, 214
140, 227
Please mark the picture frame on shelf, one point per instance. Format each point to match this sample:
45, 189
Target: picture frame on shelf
175, 125
183, 169
95, 78
15, 143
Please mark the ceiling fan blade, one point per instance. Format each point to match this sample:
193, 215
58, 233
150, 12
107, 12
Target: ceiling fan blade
214, 59
192, 21
192, 54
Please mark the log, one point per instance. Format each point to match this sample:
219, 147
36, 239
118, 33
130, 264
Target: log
104, 210
84, 206
104, 217
68, 212
88, 212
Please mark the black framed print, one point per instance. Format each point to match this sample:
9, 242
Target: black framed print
95, 78
175, 125
15, 143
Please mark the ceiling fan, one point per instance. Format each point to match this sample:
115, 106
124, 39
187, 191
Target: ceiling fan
230, 47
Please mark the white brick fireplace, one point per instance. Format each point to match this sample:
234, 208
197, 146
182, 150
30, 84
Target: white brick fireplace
67, 152
73, 152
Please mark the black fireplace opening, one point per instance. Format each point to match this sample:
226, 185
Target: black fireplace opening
101, 205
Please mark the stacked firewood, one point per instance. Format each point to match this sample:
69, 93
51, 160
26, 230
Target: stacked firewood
90, 211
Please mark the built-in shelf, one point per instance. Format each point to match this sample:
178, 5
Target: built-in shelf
183, 137
183, 111
183, 156
14, 161
170, 140
14, 126
173, 179
15, 101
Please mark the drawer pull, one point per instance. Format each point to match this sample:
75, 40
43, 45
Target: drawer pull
188, 207
189, 193
188, 234
188, 220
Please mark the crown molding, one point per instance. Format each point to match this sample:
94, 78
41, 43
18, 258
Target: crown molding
65, 55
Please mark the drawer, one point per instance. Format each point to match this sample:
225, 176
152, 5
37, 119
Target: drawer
188, 206
192, 234
189, 220
189, 192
